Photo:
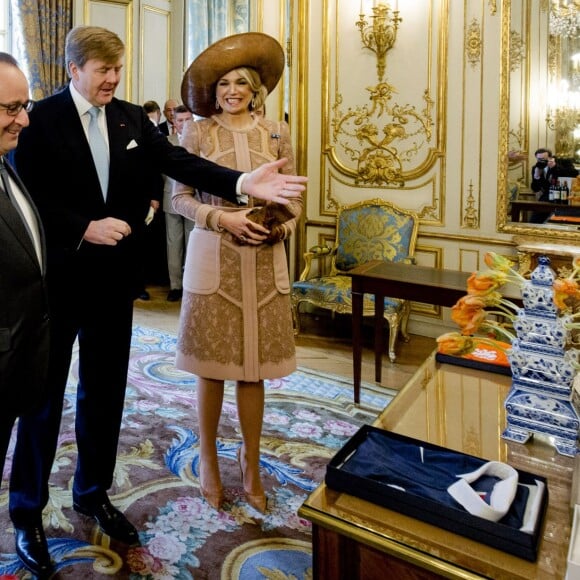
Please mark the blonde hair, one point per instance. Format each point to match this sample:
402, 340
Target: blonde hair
252, 76
84, 43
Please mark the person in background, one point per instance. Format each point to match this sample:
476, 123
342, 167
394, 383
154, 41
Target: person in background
540, 184
177, 227
94, 218
149, 255
235, 320
167, 127
540, 180
153, 111
24, 314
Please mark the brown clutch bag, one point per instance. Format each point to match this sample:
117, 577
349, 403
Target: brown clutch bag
272, 216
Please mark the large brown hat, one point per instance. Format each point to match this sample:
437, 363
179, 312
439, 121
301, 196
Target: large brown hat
251, 49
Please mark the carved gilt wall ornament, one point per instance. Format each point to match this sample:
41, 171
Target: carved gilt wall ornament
379, 138
473, 43
493, 7
379, 33
471, 215
555, 57
517, 50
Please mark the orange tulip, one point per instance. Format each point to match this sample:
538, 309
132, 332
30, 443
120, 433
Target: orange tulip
565, 288
485, 282
497, 262
473, 325
455, 344
465, 309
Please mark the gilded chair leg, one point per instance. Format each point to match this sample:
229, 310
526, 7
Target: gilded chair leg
393, 321
405, 321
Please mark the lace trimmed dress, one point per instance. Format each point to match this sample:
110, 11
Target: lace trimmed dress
236, 320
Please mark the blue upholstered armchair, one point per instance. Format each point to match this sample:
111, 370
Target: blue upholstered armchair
369, 230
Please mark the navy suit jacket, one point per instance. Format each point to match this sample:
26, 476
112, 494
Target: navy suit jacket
54, 160
24, 331
164, 127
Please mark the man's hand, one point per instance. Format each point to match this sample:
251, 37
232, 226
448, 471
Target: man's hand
267, 183
108, 231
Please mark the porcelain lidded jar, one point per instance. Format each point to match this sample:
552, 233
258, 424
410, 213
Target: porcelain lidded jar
542, 396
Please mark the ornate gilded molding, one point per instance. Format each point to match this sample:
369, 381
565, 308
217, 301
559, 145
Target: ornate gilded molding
493, 7
555, 57
391, 139
378, 148
379, 33
471, 214
473, 43
517, 50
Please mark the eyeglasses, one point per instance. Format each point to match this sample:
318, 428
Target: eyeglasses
13, 109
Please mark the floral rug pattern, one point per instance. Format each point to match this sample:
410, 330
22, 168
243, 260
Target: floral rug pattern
308, 417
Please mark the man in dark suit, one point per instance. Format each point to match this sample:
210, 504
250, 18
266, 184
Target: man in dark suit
24, 323
167, 127
83, 159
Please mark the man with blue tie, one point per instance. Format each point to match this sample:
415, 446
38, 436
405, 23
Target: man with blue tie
24, 320
86, 159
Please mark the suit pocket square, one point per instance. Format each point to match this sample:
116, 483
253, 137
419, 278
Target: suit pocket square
132, 144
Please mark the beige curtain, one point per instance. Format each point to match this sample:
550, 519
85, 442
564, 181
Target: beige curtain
40, 27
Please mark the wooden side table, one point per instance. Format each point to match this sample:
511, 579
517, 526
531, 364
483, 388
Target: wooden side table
418, 283
461, 409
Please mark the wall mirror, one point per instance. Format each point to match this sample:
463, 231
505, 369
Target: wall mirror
539, 104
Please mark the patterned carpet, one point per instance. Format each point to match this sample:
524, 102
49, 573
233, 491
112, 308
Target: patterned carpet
308, 417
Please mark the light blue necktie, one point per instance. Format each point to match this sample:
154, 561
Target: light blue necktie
99, 149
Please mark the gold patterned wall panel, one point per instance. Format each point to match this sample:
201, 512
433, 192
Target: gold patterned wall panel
383, 121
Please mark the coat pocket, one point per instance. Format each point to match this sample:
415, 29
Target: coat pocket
201, 274
281, 276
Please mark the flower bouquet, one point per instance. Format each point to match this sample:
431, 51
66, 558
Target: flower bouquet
485, 319
539, 339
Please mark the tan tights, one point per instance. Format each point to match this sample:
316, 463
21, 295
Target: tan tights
250, 402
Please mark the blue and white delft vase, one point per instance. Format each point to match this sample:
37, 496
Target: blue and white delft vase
542, 398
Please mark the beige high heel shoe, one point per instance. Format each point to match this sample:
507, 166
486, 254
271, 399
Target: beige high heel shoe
257, 500
214, 497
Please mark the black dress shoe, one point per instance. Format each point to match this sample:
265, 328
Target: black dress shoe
32, 549
174, 295
111, 521
144, 295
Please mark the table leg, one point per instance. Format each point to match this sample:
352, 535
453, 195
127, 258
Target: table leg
357, 309
379, 335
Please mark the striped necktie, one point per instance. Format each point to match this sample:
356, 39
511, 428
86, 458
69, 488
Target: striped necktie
99, 149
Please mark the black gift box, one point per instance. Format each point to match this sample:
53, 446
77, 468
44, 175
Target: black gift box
455, 519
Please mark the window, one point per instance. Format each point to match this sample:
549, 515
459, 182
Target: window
4, 28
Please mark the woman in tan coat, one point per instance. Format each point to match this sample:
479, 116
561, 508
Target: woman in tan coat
235, 318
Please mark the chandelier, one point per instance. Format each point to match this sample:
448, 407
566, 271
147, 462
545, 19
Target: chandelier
565, 18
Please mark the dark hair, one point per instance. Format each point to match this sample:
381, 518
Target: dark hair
84, 43
151, 107
180, 109
542, 150
8, 59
